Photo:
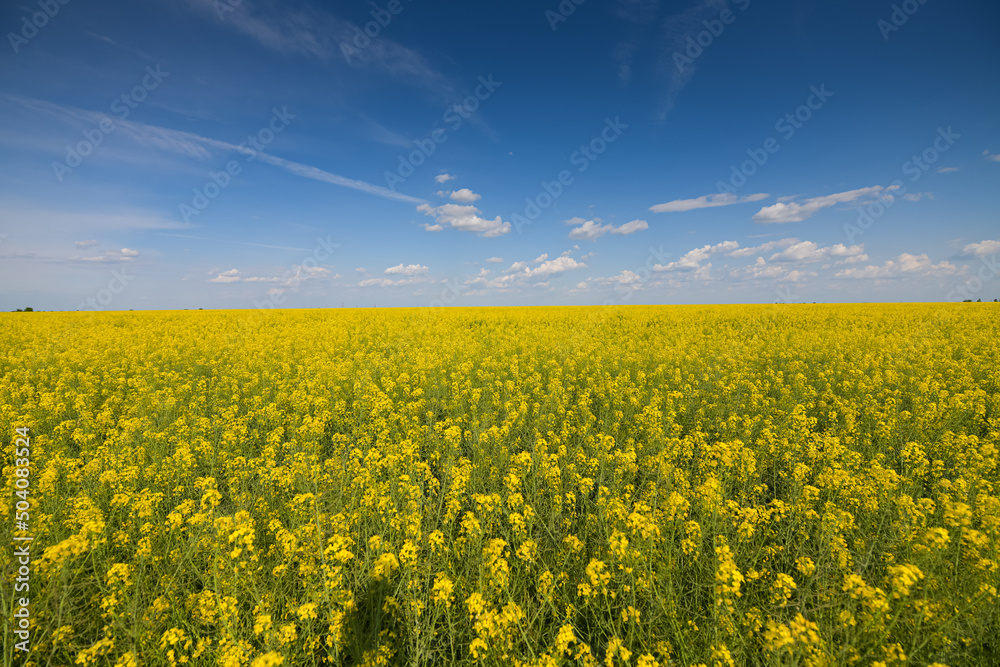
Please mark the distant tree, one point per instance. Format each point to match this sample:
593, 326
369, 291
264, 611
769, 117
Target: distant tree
979, 300
29, 310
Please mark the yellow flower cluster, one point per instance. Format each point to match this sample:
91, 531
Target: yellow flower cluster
809, 484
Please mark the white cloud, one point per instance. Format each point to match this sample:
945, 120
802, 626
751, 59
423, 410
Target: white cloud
626, 278
85, 244
388, 282
541, 258
903, 264
947, 170
692, 260
300, 274
797, 275
981, 249
230, 276
631, 227
791, 211
763, 248
706, 201
443, 178
759, 269
463, 218
494, 260
406, 270
992, 157
917, 196
291, 278
108, 257
762, 270
590, 230
519, 273
554, 266
807, 251
856, 259
465, 195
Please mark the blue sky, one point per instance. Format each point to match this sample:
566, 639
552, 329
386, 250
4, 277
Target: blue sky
240, 154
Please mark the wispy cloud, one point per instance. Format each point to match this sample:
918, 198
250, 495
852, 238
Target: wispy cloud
247, 243
54, 222
311, 32
198, 147
706, 201
108, 256
792, 211
763, 248
291, 278
108, 40
676, 30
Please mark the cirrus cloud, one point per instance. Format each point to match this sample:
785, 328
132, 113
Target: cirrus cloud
792, 211
706, 201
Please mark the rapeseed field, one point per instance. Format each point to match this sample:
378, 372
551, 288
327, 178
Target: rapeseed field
729, 485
